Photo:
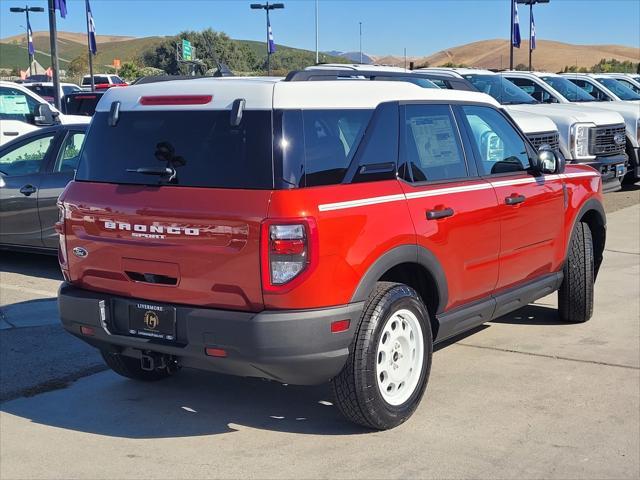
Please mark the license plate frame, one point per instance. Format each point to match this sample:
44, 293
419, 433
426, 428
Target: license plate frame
152, 321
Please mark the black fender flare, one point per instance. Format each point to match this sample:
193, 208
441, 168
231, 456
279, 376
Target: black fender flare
399, 255
595, 205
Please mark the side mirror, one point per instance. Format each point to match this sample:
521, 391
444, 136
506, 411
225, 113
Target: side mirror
551, 99
44, 116
549, 161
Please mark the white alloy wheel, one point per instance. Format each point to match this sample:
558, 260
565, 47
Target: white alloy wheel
399, 357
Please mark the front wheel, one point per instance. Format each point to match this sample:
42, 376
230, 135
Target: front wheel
389, 361
575, 297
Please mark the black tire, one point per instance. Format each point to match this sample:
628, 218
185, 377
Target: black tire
575, 297
630, 178
130, 367
355, 388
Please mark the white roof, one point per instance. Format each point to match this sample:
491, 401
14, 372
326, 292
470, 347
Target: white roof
357, 66
268, 93
459, 71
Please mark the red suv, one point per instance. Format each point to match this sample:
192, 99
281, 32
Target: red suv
307, 232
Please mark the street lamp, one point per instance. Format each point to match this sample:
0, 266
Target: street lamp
267, 7
26, 10
360, 42
531, 3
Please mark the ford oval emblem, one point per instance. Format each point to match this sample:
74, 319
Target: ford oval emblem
619, 139
80, 252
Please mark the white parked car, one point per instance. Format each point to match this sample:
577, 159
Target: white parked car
551, 87
538, 129
586, 136
628, 80
23, 111
603, 87
103, 81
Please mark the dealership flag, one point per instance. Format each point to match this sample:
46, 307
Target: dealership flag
62, 6
32, 50
515, 41
272, 45
93, 47
533, 33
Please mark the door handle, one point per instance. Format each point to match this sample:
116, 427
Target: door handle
28, 190
440, 213
514, 199
11, 134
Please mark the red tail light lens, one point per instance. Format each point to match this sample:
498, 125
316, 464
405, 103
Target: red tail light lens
288, 250
176, 100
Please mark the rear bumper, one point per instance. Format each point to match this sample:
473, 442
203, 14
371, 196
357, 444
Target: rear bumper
612, 169
294, 347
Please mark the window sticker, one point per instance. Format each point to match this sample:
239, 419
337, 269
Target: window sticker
14, 105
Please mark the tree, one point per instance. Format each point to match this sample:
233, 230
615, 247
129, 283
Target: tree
78, 66
211, 47
129, 71
522, 67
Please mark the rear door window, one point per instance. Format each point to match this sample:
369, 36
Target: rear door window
201, 147
432, 146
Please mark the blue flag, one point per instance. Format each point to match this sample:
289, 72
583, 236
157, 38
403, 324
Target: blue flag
30, 46
93, 47
532, 41
515, 40
271, 48
62, 6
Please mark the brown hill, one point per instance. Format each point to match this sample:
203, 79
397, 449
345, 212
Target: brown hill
66, 36
549, 55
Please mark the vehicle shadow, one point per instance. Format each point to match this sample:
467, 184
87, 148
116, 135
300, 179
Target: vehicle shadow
192, 403
533, 314
31, 264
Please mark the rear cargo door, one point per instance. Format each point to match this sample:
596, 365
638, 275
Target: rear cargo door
168, 207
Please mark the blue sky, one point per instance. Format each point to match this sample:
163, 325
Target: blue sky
422, 26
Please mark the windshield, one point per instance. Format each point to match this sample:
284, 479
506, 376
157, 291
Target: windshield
500, 88
622, 92
180, 148
569, 90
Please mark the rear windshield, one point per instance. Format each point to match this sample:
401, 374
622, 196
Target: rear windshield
82, 104
201, 147
42, 90
96, 79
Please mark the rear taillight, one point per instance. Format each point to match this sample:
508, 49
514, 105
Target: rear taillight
288, 251
59, 228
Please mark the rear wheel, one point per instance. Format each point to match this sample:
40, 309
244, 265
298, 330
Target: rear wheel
131, 367
575, 297
388, 367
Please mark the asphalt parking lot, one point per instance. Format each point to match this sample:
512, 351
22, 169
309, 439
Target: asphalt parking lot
520, 397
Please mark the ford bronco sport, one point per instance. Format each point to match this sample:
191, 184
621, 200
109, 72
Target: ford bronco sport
307, 232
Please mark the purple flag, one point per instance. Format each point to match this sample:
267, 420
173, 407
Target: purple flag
32, 49
62, 6
272, 44
93, 47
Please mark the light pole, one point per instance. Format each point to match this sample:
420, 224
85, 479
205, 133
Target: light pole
317, 52
531, 3
360, 42
267, 7
26, 10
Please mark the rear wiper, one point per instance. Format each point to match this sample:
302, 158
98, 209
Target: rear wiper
160, 171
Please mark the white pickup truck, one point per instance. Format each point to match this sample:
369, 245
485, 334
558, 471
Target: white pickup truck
586, 136
554, 88
539, 129
22, 111
603, 87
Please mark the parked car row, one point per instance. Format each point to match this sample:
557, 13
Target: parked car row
552, 110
